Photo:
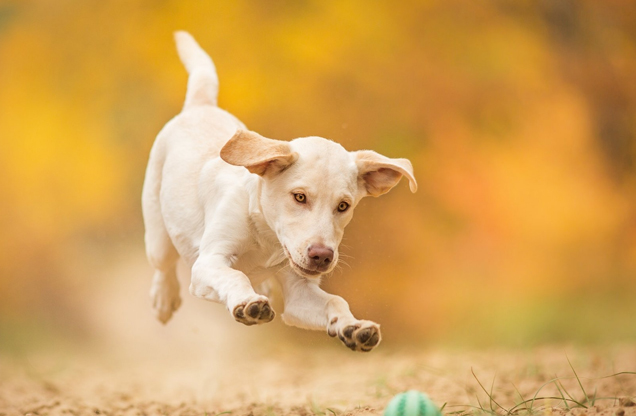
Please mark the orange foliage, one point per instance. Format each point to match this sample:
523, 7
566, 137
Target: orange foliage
517, 200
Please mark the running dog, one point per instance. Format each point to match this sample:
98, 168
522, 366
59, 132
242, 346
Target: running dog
240, 208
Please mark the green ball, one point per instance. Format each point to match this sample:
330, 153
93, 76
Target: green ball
412, 403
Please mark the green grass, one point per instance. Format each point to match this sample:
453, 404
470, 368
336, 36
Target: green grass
531, 406
585, 318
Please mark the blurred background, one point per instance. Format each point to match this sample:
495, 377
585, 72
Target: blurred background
519, 118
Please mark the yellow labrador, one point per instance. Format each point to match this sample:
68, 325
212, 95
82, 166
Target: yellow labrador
238, 208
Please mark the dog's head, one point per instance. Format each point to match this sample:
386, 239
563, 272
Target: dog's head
310, 188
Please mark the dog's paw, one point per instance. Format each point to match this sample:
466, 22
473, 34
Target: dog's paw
356, 335
165, 301
255, 312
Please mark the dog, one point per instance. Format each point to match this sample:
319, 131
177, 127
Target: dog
239, 208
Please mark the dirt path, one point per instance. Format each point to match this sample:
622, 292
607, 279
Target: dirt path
289, 380
203, 363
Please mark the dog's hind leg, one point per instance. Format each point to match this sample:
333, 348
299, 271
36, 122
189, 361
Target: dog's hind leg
164, 291
161, 253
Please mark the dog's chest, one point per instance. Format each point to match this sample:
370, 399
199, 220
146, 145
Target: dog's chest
264, 251
260, 260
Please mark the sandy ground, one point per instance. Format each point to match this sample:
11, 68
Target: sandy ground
203, 363
294, 381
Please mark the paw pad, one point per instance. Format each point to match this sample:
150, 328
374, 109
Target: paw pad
253, 313
362, 336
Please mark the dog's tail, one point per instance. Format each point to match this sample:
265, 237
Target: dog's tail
203, 83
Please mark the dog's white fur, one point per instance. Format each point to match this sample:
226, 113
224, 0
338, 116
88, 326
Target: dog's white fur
226, 200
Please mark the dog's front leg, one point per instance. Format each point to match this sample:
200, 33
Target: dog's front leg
214, 279
308, 306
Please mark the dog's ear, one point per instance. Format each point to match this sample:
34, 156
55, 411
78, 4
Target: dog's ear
379, 174
258, 154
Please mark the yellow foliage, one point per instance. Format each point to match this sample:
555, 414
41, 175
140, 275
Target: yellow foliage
516, 200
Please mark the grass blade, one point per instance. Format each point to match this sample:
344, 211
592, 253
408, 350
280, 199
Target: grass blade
556, 383
622, 373
516, 407
578, 379
492, 399
492, 386
569, 395
521, 397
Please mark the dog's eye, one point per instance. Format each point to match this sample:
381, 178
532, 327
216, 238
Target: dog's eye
343, 206
300, 198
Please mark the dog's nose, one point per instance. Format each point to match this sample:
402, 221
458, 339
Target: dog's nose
321, 256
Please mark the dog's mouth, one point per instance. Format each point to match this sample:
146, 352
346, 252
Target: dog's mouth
300, 269
303, 271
